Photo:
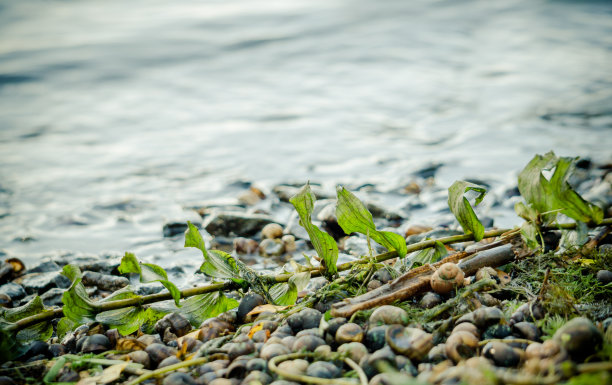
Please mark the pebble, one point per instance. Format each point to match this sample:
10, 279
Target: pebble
235, 224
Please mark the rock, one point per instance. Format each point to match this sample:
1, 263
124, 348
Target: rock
238, 224
140, 357
174, 228
104, 282
375, 337
501, 354
289, 243
354, 350
323, 369
257, 377
96, 343
307, 343
41, 282
349, 332
158, 352
305, 319
14, 291
168, 361
579, 337
45, 267
272, 231
53, 297
178, 378
245, 245
604, 276
388, 315
410, 342
356, 246
178, 324
248, 303
297, 366
271, 247
270, 351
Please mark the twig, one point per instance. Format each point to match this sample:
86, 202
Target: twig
362, 376
272, 365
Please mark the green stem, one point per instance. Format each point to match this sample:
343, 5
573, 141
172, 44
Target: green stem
314, 272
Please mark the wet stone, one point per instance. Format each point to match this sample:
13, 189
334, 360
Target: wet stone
178, 378
271, 247
323, 369
41, 282
174, 228
96, 343
178, 324
158, 352
305, 319
501, 354
53, 297
14, 291
104, 282
45, 267
235, 223
604, 276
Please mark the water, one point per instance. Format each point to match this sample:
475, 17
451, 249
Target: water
116, 115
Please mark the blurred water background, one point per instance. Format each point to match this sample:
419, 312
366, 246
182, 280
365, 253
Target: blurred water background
116, 115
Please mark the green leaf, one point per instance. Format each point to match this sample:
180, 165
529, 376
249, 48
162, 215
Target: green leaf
9, 347
528, 213
40, 331
549, 196
64, 326
77, 305
530, 232
149, 272
461, 208
430, 254
284, 294
200, 307
130, 319
217, 264
323, 243
354, 217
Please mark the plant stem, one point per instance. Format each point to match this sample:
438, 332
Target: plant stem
315, 272
362, 376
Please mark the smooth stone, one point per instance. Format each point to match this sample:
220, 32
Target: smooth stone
178, 378
41, 282
604, 276
174, 228
104, 281
580, 337
323, 369
388, 315
271, 247
235, 223
53, 297
14, 291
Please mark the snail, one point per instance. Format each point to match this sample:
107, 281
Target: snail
446, 278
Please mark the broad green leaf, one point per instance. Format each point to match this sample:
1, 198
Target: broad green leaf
40, 331
461, 208
200, 307
64, 326
530, 232
528, 213
300, 280
9, 347
148, 272
549, 196
354, 217
217, 264
430, 254
323, 243
126, 292
130, 319
284, 294
77, 305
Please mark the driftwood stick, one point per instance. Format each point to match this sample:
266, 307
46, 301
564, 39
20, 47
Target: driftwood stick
418, 279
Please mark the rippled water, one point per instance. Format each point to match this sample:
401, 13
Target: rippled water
114, 115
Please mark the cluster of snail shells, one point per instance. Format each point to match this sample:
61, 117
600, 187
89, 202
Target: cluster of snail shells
447, 278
